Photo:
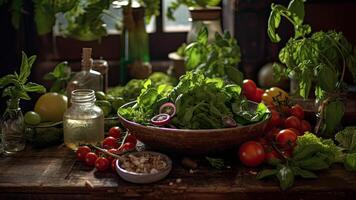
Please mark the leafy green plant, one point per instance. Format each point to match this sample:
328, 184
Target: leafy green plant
83, 17
318, 59
15, 86
60, 76
189, 3
219, 58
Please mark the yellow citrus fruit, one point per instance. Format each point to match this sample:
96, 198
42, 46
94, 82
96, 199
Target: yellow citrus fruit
51, 106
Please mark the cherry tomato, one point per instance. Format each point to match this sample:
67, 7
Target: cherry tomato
102, 164
271, 156
130, 139
258, 95
126, 147
286, 138
81, 152
161, 119
287, 153
297, 111
168, 108
110, 143
113, 151
304, 126
249, 88
113, 165
251, 153
90, 158
296, 131
292, 122
271, 135
115, 132
276, 119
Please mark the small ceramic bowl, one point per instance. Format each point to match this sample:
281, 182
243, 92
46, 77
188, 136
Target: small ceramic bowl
142, 178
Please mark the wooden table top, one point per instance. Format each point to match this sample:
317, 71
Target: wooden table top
54, 173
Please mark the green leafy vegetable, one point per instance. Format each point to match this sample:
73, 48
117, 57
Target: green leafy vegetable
16, 86
216, 59
347, 139
59, 77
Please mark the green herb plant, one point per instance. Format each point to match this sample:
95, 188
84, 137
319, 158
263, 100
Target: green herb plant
315, 59
84, 18
16, 86
189, 3
60, 76
219, 58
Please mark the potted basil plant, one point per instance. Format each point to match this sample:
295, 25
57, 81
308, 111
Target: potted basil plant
317, 60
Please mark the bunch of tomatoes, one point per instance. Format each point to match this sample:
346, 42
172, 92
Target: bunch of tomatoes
115, 143
286, 124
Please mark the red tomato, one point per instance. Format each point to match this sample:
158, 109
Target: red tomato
292, 122
305, 126
251, 153
113, 165
276, 119
297, 111
287, 153
113, 151
126, 147
249, 89
81, 152
115, 132
110, 143
258, 95
102, 164
131, 139
271, 155
271, 135
90, 158
296, 131
286, 138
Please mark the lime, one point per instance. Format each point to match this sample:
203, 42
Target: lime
100, 95
105, 106
32, 118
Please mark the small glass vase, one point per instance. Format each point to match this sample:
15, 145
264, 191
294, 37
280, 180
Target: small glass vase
12, 128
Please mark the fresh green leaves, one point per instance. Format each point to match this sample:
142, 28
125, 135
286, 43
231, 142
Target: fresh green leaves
16, 86
333, 113
59, 76
294, 13
347, 139
218, 58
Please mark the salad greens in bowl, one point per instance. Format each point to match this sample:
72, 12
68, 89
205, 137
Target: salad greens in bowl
200, 115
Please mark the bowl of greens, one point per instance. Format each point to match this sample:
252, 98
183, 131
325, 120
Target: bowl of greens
200, 115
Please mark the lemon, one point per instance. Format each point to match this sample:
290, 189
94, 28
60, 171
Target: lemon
51, 106
32, 118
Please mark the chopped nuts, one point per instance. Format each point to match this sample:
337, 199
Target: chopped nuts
143, 163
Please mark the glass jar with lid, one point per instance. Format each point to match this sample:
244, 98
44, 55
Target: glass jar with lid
83, 122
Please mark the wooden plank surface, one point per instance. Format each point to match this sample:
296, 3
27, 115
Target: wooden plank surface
54, 173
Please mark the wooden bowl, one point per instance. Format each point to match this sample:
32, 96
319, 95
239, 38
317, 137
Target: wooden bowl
194, 142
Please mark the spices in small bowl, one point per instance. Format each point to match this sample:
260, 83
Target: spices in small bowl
143, 167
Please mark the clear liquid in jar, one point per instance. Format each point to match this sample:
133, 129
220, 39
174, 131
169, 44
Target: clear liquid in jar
83, 131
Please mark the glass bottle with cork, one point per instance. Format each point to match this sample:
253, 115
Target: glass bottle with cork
87, 78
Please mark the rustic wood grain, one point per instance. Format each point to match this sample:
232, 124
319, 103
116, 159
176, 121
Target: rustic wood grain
54, 173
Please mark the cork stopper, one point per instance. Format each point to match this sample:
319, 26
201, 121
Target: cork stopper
86, 58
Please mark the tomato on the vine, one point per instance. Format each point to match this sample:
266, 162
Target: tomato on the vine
286, 138
102, 164
297, 111
113, 151
251, 153
258, 95
276, 118
110, 143
131, 139
126, 147
115, 132
81, 152
90, 159
292, 122
113, 164
305, 126
249, 88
